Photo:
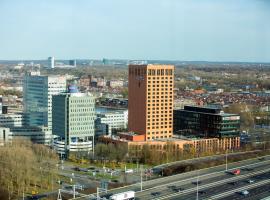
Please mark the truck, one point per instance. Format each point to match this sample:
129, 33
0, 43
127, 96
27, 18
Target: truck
236, 172
129, 195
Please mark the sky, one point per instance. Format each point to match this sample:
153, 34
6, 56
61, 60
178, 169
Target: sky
190, 30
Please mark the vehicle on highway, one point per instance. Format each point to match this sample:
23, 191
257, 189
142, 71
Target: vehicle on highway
233, 183
155, 194
247, 169
236, 172
244, 192
250, 181
202, 192
171, 186
129, 195
261, 159
196, 182
177, 189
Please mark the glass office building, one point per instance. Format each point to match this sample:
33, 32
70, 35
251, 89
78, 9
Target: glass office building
73, 116
206, 122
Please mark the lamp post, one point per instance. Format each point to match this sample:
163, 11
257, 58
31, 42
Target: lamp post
226, 157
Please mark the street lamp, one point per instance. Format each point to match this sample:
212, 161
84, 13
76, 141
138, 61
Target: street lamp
226, 157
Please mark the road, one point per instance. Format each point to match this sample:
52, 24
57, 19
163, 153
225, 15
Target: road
211, 184
214, 181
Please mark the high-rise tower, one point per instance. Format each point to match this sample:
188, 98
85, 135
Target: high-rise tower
150, 100
37, 97
51, 62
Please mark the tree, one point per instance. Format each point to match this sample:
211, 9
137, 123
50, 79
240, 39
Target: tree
24, 165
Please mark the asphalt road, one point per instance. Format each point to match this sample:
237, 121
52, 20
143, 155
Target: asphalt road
213, 181
209, 186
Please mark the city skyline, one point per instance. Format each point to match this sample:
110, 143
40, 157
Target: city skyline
171, 30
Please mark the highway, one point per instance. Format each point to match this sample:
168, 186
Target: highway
210, 185
215, 183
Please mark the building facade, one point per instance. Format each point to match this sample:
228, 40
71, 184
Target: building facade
11, 120
73, 121
135, 144
39, 135
151, 100
114, 120
51, 62
37, 94
206, 122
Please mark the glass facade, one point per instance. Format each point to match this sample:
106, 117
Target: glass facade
206, 122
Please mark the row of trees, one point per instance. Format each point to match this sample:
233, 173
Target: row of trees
26, 167
111, 152
10, 92
145, 154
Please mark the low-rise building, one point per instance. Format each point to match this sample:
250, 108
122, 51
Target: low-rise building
116, 120
39, 135
11, 120
136, 142
115, 83
206, 122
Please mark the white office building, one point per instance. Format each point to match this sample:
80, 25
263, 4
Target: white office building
114, 119
37, 94
51, 62
11, 120
40, 135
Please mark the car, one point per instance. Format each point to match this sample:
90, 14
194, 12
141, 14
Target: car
129, 171
155, 194
244, 192
250, 181
172, 187
84, 170
196, 182
107, 196
202, 192
233, 183
177, 189
34, 197
249, 169
91, 168
76, 169
60, 182
261, 159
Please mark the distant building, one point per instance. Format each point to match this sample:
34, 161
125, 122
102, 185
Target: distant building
73, 119
51, 62
37, 97
40, 135
100, 128
114, 120
206, 122
115, 83
97, 81
11, 120
72, 63
150, 100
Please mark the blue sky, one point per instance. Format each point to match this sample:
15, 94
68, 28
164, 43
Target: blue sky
209, 30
